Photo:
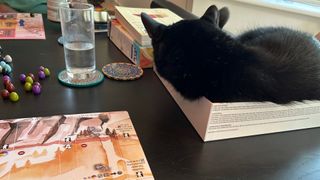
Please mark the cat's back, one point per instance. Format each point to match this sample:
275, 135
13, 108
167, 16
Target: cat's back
287, 64
280, 41
283, 48
278, 38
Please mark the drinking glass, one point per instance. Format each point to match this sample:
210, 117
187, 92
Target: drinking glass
77, 26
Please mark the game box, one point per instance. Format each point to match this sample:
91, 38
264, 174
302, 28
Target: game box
217, 121
129, 18
140, 55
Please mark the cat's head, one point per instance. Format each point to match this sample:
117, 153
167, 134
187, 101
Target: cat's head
179, 47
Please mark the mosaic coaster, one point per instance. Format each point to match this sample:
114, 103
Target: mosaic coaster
93, 80
122, 71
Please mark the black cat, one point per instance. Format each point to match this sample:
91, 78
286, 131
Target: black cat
266, 64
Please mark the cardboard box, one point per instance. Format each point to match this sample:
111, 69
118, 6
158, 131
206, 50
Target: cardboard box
216, 121
140, 55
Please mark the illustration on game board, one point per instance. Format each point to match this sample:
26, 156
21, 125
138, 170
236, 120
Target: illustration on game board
21, 26
80, 146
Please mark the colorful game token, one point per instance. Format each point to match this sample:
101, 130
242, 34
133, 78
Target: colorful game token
10, 87
29, 79
5, 94
27, 86
36, 89
14, 97
22, 78
32, 76
122, 71
95, 79
8, 58
7, 68
37, 83
6, 81
41, 75
46, 72
6, 77
2, 63
41, 68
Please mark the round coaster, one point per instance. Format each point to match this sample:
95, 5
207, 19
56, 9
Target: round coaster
95, 79
122, 71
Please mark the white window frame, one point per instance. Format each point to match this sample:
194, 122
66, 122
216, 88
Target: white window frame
306, 7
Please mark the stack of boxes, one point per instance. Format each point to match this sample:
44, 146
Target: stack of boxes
138, 54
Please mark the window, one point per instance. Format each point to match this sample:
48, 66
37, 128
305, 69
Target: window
308, 2
306, 7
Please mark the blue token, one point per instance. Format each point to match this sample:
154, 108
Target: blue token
7, 68
2, 63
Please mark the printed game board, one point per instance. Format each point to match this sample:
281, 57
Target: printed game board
21, 26
100, 145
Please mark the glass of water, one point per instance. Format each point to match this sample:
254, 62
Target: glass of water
77, 26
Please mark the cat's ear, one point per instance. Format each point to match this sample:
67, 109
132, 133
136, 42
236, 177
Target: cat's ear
224, 16
211, 15
154, 29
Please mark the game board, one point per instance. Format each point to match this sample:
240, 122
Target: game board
100, 145
21, 26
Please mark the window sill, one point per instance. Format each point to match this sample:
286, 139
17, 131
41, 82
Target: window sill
286, 5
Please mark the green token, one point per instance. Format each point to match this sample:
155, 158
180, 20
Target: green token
14, 97
46, 71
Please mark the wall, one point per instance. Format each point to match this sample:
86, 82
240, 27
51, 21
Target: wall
185, 4
135, 3
245, 16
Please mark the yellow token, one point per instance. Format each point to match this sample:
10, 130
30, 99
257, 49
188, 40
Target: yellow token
14, 97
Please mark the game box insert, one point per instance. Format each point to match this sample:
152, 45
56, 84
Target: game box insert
217, 121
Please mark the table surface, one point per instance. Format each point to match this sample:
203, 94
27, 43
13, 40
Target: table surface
172, 147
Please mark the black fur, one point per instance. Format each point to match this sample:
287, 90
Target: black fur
266, 64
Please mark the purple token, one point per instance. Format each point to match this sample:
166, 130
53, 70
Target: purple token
36, 89
22, 78
37, 83
41, 75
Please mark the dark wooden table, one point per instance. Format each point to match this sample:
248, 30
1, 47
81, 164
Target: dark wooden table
173, 148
